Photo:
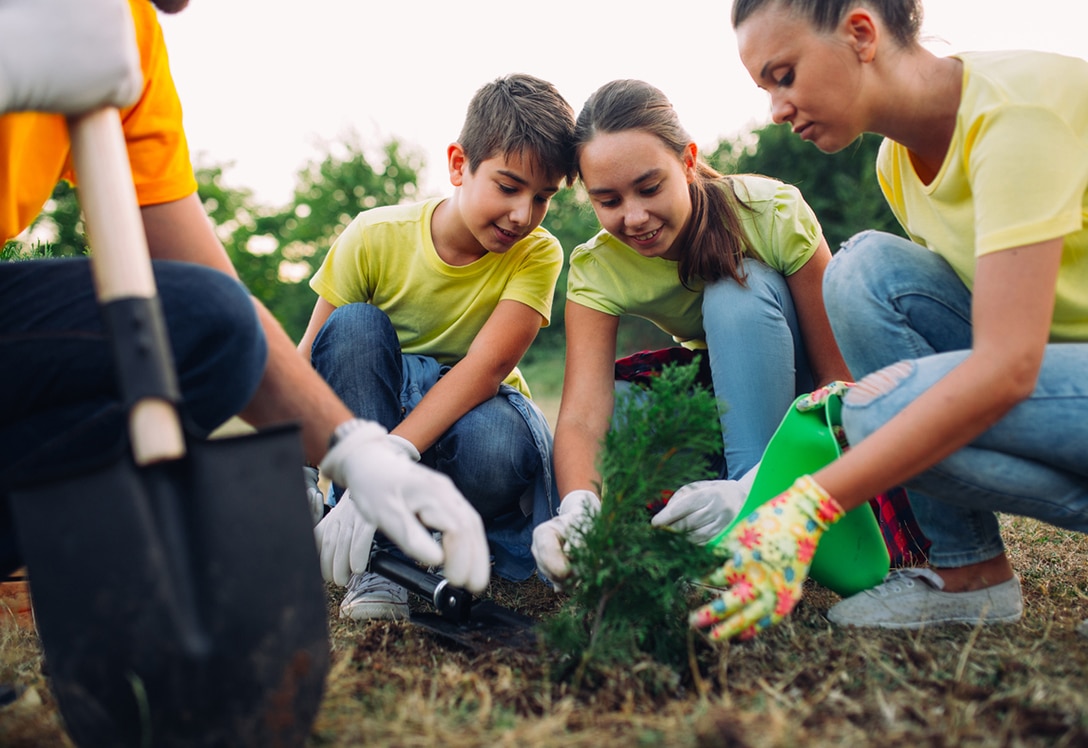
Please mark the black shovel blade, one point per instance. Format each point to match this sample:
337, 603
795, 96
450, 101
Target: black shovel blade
182, 603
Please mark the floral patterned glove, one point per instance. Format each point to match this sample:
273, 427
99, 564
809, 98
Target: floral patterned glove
816, 398
769, 553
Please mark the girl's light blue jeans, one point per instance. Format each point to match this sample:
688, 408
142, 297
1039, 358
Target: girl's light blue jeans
891, 300
758, 361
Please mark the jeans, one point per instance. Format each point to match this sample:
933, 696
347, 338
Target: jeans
758, 361
489, 453
59, 403
891, 301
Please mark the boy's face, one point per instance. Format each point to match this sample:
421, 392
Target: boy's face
503, 200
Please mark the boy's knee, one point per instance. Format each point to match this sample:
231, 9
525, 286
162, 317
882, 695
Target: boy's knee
359, 324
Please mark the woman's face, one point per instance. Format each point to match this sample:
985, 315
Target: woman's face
814, 78
639, 189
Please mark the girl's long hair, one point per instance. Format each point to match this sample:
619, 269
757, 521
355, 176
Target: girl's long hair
713, 242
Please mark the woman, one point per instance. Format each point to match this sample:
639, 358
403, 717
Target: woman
974, 334
732, 266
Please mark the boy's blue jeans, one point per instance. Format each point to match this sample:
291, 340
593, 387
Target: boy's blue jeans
891, 300
59, 404
489, 452
758, 361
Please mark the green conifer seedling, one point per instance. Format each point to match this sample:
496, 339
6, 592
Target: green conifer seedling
630, 594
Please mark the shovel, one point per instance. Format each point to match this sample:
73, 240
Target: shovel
175, 585
458, 618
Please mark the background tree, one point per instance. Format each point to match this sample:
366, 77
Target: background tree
842, 187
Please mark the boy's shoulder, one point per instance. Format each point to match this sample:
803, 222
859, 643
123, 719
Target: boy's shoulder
401, 213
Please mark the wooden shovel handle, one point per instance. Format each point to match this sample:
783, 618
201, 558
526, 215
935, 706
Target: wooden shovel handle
120, 261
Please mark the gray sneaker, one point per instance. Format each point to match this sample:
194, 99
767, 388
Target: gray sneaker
912, 598
1082, 629
371, 596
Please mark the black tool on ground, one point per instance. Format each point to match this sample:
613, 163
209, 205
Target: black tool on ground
175, 585
458, 618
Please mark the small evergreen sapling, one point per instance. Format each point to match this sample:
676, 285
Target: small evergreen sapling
631, 594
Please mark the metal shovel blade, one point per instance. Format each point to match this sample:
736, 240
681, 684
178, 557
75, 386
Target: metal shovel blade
181, 603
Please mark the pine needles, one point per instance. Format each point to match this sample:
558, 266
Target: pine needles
631, 596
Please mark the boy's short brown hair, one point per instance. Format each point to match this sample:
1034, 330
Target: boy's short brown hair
520, 114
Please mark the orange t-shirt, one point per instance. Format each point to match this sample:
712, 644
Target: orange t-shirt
35, 150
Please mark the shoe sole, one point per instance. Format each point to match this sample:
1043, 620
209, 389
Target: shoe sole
375, 613
915, 625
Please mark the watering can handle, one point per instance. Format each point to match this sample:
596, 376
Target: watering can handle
120, 262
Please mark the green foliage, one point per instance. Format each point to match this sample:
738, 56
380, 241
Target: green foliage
630, 598
60, 222
276, 251
842, 187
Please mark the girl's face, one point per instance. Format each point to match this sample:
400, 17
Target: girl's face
814, 79
639, 189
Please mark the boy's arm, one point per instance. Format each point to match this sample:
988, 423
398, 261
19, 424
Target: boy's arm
806, 288
494, 353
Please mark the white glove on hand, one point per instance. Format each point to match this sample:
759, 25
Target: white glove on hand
406, 501
405, 446
313, 493
551, 539
67, 56
704, 508
343, 540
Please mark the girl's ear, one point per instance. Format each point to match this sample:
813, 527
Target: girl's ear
690, 158
458, 164
862, 32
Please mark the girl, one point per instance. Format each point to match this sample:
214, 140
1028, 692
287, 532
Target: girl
733, 265
977, 331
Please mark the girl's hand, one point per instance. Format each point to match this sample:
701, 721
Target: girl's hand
768, 555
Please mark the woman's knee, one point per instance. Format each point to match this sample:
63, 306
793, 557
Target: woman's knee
764, 295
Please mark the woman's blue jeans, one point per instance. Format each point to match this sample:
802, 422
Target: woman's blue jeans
489, 453
59, 404
891, 300
758, 361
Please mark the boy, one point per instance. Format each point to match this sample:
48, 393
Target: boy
426, 309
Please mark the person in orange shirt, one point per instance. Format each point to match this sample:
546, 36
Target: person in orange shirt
232, 356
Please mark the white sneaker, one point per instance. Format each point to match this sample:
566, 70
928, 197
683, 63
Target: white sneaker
912, 598
371, 596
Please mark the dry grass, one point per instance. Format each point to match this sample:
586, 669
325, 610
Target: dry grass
803, 683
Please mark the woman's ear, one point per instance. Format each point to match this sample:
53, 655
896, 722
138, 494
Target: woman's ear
862, 32
458, 164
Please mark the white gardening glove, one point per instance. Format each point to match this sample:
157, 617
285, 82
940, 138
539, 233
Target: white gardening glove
67, 56
405, 446
553, 538
406, 501
343, 540
704, 508
314, 497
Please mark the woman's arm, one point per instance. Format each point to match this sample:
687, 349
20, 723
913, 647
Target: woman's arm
494, 353
806, 288
322, 311
585, 410
1012, 307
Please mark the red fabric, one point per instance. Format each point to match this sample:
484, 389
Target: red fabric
907, 544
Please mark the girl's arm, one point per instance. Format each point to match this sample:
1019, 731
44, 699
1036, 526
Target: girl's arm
585, 410
494, 353
1012, 307
806, 287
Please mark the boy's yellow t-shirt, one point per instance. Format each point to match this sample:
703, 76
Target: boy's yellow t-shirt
386, 257
35, 152
1016, 173
608, 276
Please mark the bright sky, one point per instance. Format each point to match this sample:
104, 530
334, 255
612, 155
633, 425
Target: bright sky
265, 84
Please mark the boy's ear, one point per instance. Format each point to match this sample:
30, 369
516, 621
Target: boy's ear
458, 164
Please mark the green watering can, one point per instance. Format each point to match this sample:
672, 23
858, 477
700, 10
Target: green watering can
851, 556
